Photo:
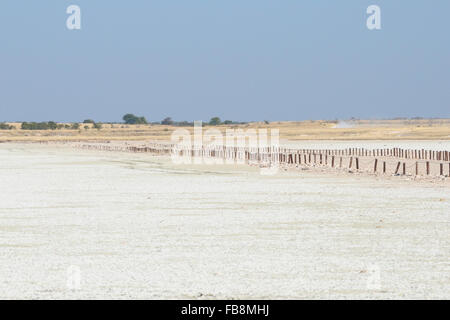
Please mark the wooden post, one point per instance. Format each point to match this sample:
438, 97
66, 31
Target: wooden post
332, 161
417, 168
375, 166
428, 167
357, 163
350, 164
441, 169
340, 162
384, 166
398, 167
404, 168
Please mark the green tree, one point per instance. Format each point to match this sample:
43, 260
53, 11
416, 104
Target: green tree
167, 121
88, 121
130, 118
97, 126
52, 125
5, 126
215, 121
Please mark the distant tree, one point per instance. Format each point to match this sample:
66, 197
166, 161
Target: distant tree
97, 126
266, 122
86, 127
39, 125
88, 121
52, 125
227, 122
167, 121
130, 118
184, 124
75, 126
5, 126
214, 121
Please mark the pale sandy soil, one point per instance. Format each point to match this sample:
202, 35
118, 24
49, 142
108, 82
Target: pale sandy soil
138, 226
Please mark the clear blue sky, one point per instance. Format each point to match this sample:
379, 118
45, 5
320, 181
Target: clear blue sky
236, 59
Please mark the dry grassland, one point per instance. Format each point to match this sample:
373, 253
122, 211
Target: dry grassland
420, 129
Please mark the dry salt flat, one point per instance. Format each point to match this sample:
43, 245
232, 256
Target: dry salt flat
90, 224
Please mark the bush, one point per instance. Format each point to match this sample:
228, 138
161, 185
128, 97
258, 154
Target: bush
88, 121
214, 121
5, 126
167, 121
184, 124
130, 118
39, 125
75, 126
97, 126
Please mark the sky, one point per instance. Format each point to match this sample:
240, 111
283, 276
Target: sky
242, 60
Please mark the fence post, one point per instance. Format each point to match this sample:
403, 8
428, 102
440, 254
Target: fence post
398, 166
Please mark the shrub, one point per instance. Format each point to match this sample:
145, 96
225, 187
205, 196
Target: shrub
39, 125
130, 118
5, 126
214, 121
167, 121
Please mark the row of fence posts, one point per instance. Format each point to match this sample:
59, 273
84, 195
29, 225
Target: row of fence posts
420, 154
294, 156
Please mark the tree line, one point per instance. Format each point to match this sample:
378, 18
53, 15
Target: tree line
128, 118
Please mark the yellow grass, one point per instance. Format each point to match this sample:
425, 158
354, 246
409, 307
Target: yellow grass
423, 129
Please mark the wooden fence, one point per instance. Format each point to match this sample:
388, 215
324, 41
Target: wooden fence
390, 161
